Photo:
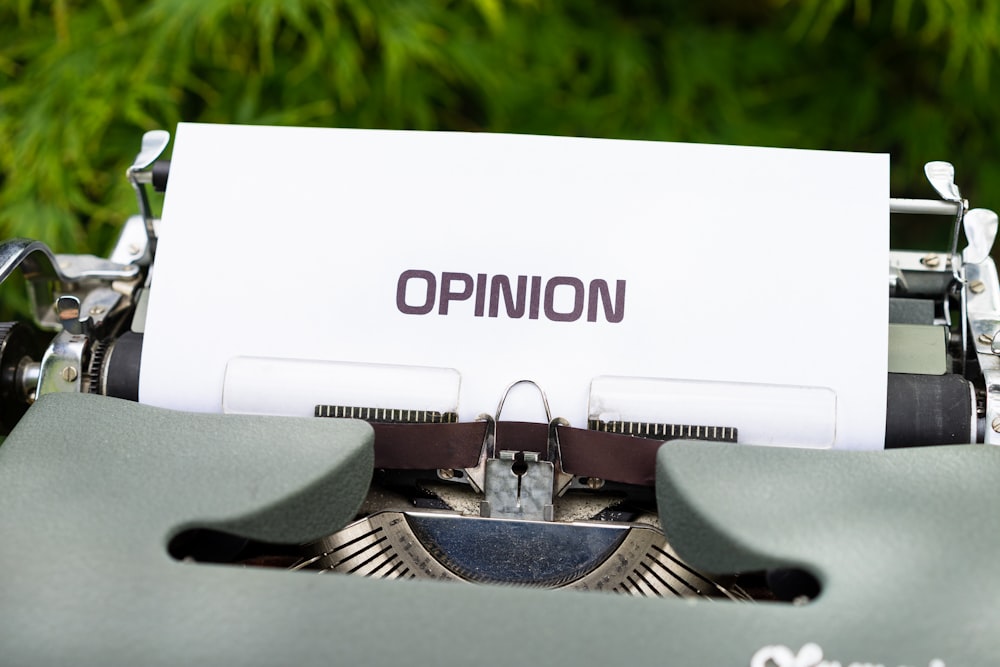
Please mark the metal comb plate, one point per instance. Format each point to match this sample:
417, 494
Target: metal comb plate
666, 431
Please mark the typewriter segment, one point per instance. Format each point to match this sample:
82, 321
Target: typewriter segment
610, 556
497, 502
515, 518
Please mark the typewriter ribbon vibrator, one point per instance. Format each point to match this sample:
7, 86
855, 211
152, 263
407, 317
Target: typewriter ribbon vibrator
506, 502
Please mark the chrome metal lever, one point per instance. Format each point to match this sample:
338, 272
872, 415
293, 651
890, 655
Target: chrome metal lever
154, 143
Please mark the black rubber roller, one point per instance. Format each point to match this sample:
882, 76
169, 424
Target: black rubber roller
161, 173
929, 410
120, 375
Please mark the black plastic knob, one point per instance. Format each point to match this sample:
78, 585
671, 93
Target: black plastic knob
20, 346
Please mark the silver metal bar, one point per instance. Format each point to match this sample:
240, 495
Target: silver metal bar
924, 206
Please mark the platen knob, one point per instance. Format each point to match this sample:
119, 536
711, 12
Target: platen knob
21, 349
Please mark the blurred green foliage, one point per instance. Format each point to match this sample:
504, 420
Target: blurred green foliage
80, 81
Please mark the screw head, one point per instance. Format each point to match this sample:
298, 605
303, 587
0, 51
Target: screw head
985, 339
931, 260
97, 310
594, 483
69, 373
446, 473
977, 286
996, 424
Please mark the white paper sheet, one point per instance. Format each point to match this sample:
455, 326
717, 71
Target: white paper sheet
738, 264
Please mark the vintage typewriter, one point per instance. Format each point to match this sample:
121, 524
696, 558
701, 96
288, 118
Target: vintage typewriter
131, 534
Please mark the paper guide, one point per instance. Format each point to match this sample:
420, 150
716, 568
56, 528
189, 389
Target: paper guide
482, 259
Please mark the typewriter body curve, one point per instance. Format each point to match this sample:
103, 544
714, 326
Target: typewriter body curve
493, 503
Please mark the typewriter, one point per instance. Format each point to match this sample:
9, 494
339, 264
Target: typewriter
133, 534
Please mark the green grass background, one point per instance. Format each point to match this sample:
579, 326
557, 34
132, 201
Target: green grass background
81, 80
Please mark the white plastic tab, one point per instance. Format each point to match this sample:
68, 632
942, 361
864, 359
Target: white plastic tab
763, 414
294, 387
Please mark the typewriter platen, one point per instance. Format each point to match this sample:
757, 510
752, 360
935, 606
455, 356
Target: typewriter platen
540, 506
